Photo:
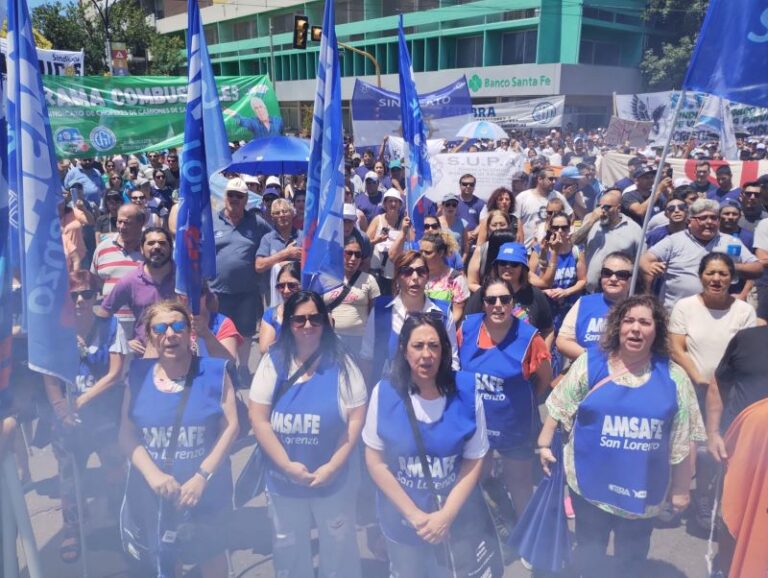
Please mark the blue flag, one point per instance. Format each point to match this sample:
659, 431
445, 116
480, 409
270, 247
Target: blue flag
415, 136
731, 54
323, 255
6, 308
205, 152
34, 181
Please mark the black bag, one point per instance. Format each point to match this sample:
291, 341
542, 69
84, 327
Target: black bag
252, 480
473, 549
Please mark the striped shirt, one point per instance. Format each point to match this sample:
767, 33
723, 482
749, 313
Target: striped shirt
110, 263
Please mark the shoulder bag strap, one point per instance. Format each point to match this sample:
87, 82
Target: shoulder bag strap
170, 453
422, 451
286, 384
344, 292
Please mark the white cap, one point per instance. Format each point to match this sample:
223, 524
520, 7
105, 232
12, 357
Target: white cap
760, 146
249, 179
273, 181
681, 182
371, 175
237, 184
392, 194
350, 212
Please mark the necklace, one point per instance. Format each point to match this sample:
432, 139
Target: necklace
168, 384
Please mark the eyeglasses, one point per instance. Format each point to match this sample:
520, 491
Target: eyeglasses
560, 227
315, 320
467, 184
682, 207
355, 254
431, 226
495, 299
87, 294
140, 199
621, 274
452, 204
235, 195
289, 285
751, 194
705, 218
421, 271
162, 328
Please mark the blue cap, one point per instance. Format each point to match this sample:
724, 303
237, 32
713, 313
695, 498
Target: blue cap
396, 164
513, 253
570, 173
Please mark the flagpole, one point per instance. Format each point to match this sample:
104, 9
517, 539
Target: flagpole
12, 485
656, 181
10, 560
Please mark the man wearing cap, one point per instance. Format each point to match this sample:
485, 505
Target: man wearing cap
253, 183
351, 230
272, 192
396, 176
237, 234
725, 189
634, 163
635, 199
531, 205
570, 186
751, 207
351, 179
369, 202
107, 222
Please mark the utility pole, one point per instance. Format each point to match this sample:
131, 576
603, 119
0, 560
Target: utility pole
104, 15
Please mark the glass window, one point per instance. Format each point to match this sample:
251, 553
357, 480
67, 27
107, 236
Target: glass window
519, 47
469, 52
604, 53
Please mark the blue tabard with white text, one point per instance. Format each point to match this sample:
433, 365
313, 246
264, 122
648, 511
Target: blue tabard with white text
444, 443
309, 425
590, 320
622, 438
508, 398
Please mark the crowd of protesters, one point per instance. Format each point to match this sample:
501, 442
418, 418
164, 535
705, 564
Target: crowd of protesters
459, 334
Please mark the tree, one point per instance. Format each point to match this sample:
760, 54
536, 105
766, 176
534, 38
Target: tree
78, 26
665, 63
167, 55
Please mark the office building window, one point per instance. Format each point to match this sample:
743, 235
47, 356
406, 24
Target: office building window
519, 47
211, 34
469, 52
603, 53
395, 7
244, 30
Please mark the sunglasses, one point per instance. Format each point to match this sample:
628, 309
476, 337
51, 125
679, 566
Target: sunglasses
141, 198
621, 275
356, 254
421, 271
162, 328
290, 285
87, 294
315, 320
496, 299
751, 194
453, 204
559, 227
676, 207
467, 184
431, 226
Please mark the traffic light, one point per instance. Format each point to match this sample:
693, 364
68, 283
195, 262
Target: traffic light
316, 33
300, 30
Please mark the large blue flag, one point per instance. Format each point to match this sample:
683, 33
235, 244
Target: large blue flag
323, 267
34, 181
415, 136
205, 152
6, 308
731, 54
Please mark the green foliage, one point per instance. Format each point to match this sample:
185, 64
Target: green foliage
79, 26
167, 55
665, 63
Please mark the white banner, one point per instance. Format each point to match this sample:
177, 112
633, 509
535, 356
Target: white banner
534, 113
491, 170
52, 62
396, 147
622, 131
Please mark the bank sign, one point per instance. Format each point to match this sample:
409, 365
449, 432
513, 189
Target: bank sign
522, 80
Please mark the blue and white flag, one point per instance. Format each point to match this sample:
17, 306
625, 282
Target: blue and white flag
731, 53
323, 256
6, 305
33, 180
419, 176
715, 117
205, 152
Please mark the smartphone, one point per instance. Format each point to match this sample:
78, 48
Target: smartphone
385, 230
75, 194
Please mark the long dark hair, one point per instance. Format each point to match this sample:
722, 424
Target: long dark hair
610, 340
400, 376
495, 240
331, 348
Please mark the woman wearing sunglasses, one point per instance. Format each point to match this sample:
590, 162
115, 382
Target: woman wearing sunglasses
184, 402
444, 282
89, 423
351, 303
511, 365
388, 315
584, 323
288, 283
307, 407
501, 205
452, 257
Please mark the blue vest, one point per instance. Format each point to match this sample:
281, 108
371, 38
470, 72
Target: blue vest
508, 398
384, 337
154, 413
307, 421
444, 443
95, 364
622, 438
590, 321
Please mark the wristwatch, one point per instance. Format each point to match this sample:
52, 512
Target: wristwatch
205, 474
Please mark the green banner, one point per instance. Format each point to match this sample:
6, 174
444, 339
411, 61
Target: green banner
95, 115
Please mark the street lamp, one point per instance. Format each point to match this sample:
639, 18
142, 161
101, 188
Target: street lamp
104, 15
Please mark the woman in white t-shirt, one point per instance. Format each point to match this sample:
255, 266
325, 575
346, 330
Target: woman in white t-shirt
383, 231
307, 407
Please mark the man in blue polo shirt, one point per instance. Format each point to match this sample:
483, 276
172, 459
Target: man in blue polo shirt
470, 205
725, 189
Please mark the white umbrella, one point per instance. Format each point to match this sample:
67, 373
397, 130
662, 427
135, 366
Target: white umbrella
482, 129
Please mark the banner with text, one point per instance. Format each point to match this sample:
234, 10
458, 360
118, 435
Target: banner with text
633, 132
491, 170
53, 62
376, 112
94, 115
534, 113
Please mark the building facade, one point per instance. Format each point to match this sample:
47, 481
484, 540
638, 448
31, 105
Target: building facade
508, 49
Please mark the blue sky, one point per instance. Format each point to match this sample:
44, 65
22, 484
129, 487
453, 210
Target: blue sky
34, 3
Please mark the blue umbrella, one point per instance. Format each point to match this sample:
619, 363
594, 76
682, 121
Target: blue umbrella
272, 155
479, 129
541, 535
